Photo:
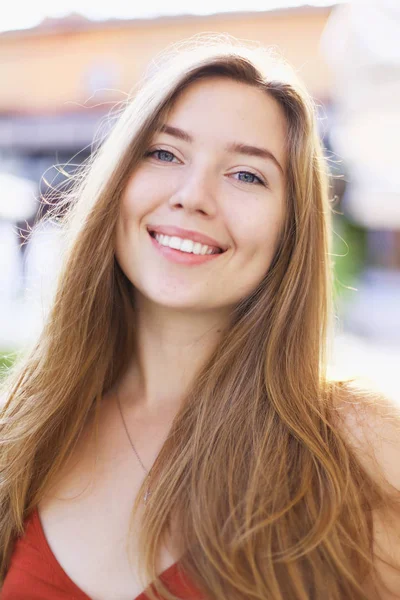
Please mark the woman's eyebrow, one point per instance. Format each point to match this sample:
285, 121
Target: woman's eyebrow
238, 148
176, 132
233, 148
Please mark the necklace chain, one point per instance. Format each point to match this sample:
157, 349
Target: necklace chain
148, 493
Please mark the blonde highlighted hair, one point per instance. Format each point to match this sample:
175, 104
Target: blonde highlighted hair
271, 502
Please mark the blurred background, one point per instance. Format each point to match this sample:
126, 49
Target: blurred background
64, 66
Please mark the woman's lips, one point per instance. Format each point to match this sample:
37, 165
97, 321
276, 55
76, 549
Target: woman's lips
185, 258
189, 234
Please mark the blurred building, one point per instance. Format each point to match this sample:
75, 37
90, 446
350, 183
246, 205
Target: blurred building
361, 43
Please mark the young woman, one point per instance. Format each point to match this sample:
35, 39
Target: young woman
175, 417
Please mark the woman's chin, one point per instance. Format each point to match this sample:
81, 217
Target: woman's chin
174, 302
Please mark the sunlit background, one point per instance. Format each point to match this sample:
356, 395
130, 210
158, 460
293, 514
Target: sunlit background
64, 66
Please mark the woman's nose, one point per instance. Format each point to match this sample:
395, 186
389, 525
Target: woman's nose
196, 193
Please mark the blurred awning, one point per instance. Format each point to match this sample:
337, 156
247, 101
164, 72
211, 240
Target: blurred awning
362, 44
41, 133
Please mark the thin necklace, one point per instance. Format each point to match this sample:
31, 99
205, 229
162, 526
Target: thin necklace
148, 492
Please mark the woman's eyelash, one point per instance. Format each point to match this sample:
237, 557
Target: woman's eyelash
153, 152
258, 181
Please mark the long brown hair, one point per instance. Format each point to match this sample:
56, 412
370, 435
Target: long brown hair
271, 501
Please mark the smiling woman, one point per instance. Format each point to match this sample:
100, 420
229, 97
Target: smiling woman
196, 181
174, 432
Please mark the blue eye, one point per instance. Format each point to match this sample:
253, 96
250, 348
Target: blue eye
167, 156
249, 177
162, 155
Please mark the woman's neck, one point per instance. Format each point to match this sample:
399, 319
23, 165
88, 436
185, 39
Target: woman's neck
171, 347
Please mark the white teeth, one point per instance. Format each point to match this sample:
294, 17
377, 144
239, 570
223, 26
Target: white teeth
175, 243
187, 246
184, 245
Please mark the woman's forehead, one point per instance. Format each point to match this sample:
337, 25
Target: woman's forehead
226, 112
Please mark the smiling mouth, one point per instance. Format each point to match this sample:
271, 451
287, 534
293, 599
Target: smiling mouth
184, 245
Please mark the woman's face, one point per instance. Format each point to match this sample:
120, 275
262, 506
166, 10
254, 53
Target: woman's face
213, 177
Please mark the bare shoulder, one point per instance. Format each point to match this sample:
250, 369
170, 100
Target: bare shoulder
370, 423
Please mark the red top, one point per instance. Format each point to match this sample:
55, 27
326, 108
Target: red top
34, 572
